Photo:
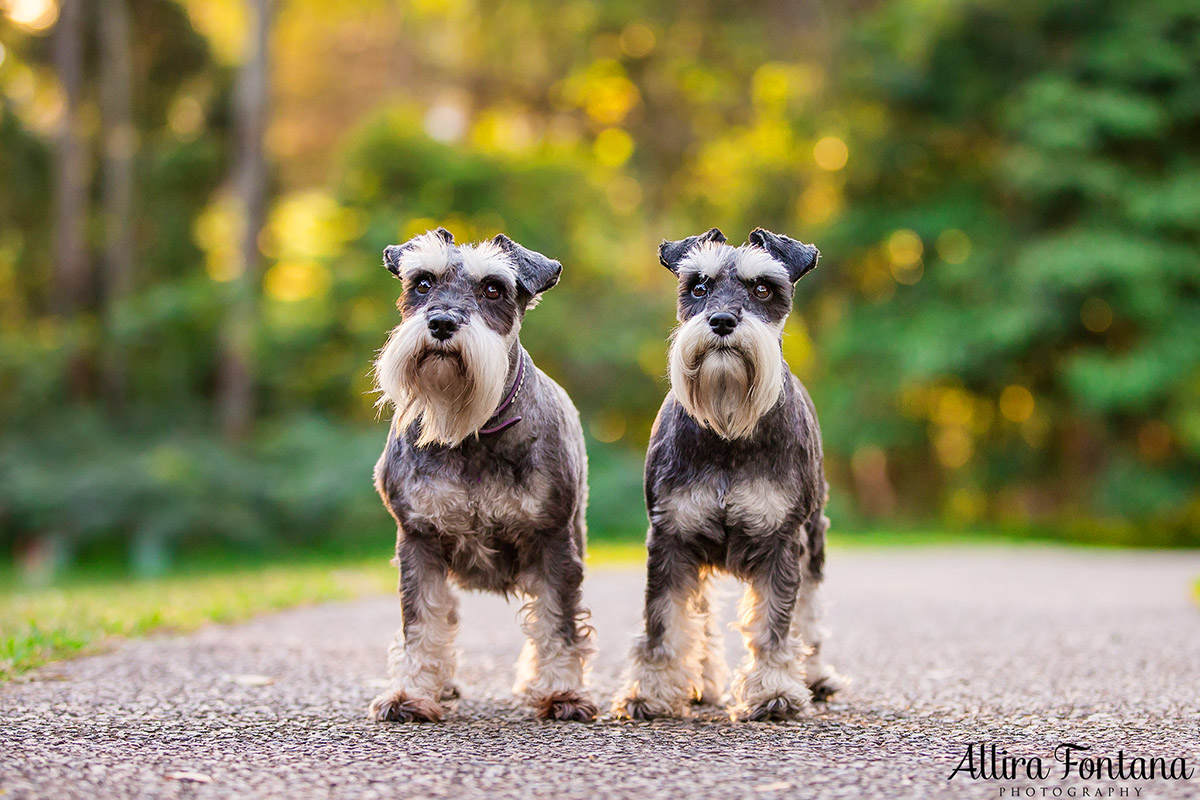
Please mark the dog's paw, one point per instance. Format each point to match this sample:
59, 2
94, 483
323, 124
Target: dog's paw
397, 706
778, 708
566, 706
709, 694
450, 692
642, 708
827, 683
713, 682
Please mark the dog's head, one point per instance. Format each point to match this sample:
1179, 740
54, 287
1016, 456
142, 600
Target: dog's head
462, 307
726, 361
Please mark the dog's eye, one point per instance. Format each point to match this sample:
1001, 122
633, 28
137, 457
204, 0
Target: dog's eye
424, 285
493, 290
762, 291
699, 290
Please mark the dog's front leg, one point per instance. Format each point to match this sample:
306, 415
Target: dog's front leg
553, 663
823, 680
714, 671
665, 672
421, 657
771, 683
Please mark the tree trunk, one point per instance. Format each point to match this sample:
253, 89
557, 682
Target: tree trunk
72, 269
249, 181
120, 144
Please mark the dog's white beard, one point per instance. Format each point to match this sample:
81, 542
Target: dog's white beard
727, 383
452, 395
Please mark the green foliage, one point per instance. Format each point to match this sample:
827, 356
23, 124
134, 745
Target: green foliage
1002, 330
302, 482
1075, 124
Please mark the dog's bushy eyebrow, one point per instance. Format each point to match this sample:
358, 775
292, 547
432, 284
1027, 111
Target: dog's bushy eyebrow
431, 250
755, 263
707, 258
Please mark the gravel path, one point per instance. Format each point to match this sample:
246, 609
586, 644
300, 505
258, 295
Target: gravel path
1021, 647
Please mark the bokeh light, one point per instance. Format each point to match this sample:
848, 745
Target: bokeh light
1016, 403
613, 147
953, 246
290, 281
624, 194
607, 427
1096, 315
819, 203
831, 153
637, 40
185, 117
35, 16
954, 447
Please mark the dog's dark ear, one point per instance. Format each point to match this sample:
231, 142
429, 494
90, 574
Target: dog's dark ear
391, 257
535, 272
393, 252
671, 253
799, 258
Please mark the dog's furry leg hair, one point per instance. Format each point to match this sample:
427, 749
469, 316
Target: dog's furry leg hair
823, 679
552, 670
421, 658
771, 682
666, 663
714, 670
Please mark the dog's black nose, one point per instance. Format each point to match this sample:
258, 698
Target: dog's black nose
722, 323
442, 326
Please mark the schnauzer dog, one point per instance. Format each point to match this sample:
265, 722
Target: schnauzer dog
484, 471
734, 482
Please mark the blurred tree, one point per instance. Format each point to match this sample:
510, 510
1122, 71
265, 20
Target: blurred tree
119, 141
1026, 261
1001, 329
249, 182
73, 268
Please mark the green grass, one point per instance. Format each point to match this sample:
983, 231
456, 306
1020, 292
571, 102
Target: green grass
82, 612
41, 625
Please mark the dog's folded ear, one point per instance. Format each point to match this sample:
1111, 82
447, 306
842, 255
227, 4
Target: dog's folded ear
391, 257
535, 272
671, 253
393, 252
799, 258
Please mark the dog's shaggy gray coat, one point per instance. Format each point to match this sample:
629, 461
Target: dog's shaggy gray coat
734, 482
499, 511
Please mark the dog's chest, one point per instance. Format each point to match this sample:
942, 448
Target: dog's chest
755, 506
477, 507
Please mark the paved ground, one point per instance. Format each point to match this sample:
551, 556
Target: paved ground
1024, 648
